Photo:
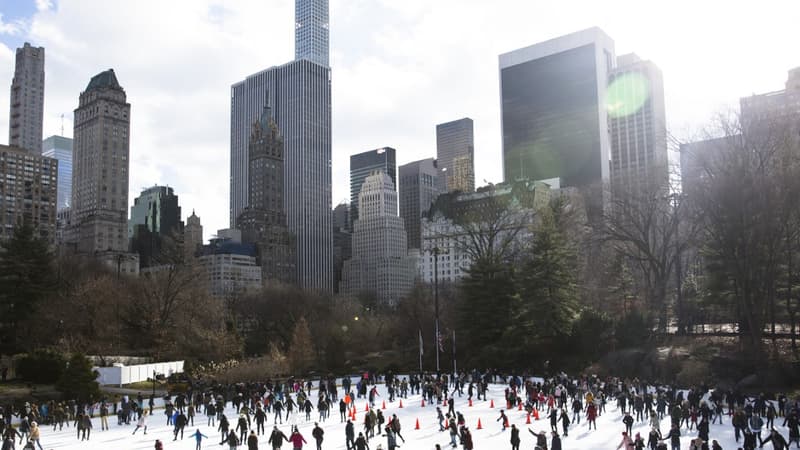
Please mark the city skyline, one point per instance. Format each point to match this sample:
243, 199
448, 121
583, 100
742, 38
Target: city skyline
372, 83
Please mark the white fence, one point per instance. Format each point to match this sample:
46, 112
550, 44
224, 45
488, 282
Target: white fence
119, 375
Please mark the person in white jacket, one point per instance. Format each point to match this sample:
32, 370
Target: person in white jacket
142, 423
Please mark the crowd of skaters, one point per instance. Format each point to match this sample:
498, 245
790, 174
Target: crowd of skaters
563, 400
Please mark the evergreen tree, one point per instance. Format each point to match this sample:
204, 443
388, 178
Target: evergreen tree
79, 380
26, 278
548, 298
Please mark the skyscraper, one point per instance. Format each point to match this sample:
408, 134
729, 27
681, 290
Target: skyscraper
342, 242
263, 221
455, 154
553, 109
380, 264
362, 165
155, 215
60, 148
311, 31
299, 94
27, 99
777, 109
192, 237
419, 187
637, 124
27, 192
100, 166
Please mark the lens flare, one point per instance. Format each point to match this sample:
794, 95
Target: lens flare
627, 94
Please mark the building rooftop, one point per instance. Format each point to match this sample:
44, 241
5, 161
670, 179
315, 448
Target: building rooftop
105, 79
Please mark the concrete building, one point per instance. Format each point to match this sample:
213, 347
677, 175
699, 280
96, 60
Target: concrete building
155, 217
342, 242
637, 124
311, 31
455, 154
60, 148
419, 187
101, 151
299, 94
230, 265
443, 227
263, 221
777, 111
553, 110
27, 100
192, 237
362, 165
380, 265
27, 192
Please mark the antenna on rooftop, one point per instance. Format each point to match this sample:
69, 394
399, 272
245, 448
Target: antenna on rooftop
62, 124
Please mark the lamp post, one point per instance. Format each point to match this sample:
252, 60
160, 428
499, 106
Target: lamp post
436, 252
154, 384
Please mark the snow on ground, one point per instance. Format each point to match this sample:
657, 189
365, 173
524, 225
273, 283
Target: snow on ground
607, 436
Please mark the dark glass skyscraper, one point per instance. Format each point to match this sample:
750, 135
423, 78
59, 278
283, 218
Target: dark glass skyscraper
455, 155
419, 187
60, 148
155, 215
362, 165
554, 118
311, 31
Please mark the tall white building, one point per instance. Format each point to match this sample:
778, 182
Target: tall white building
637, 123
230, 265
380, 264
27, 99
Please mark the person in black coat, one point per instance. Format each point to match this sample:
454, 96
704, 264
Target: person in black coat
778, 441
514, 437
555, 443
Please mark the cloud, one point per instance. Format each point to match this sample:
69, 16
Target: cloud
44, 5
13, 28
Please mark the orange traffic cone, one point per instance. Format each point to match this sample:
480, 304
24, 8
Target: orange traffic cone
520, 407
479, 427
470, 403
423, 403
401, 402
416, 427
528, 420
491, 404
536, 414
366, 407
384, 405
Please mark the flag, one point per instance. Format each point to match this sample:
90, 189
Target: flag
421, 351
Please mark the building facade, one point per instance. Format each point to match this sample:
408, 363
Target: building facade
263, 221
444, 232
362, 165
101, 150
777, 111
299, 94
342, 242
380, 264
27, 99
419, 187
27, 192
192, 237
553, 110
455, 154
637, 124
311, 31
230, 265
60, 148
155, 217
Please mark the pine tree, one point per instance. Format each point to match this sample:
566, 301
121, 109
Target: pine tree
547, 302
79, 380
26, 278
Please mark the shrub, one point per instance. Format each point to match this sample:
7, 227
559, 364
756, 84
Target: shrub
41, 366
79, 380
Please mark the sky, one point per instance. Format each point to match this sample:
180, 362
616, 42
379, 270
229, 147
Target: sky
399, 67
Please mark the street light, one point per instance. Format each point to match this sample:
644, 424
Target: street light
436, 252
154, 383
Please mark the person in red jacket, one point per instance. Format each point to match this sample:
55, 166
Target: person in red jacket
591, 415
297, 439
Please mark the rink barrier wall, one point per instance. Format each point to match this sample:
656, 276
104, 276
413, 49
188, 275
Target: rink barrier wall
120, 375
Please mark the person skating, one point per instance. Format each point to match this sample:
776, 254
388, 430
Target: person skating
317, 433
628, 421
715, 445
198, 438
159, 445
674, 437
231, 440
504, 419
653, 438
242, 427
756, 423
555, 442
391, 439
252, 441
626, 443
778, 441
297, 439
467, 439
261, 417
85, 426
361, 442
749, 439
440, 417
223, 428
349, 435
564, 422
395, 424
35, 435
276, 438
638, 442
541, 439
180, 424
141, 423
515, 440
453, 432
591, 415
553, 415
